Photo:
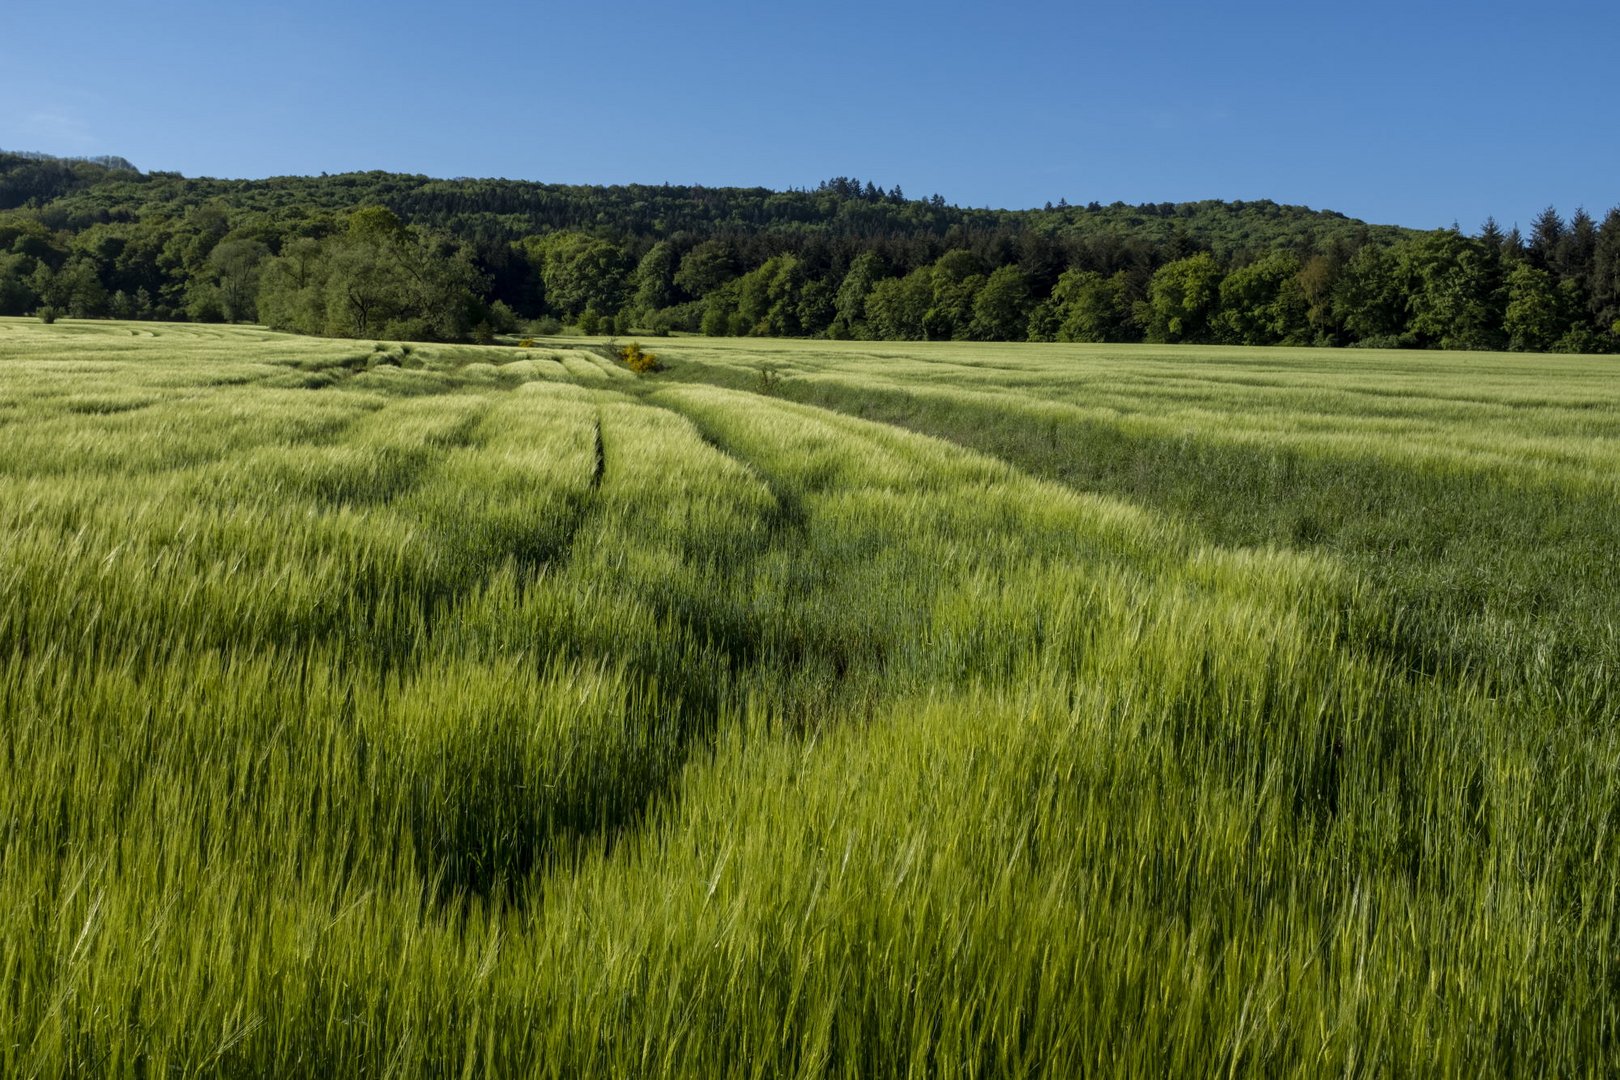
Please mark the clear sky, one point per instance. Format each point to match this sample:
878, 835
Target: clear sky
1414, 113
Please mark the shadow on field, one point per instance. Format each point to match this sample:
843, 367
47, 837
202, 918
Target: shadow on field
1464, 564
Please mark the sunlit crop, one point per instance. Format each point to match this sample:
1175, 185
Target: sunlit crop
915, 709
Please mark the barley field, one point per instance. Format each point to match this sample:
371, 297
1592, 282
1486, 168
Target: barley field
805, 709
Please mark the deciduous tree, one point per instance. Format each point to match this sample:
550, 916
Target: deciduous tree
1183, 298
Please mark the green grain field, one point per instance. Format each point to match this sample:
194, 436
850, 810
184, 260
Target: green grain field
806, 709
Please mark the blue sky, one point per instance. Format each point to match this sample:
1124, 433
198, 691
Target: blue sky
1410, 113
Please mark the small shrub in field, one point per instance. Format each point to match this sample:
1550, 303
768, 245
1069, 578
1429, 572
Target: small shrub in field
48, 314
637, 359
502, 318
526, 343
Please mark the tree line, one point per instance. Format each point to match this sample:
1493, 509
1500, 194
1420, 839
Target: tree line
383, 255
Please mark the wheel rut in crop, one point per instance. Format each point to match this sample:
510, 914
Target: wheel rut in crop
677, 659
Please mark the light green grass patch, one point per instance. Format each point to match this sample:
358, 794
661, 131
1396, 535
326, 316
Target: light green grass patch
936, 709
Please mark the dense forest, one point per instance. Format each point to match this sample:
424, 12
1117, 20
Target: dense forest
379, 255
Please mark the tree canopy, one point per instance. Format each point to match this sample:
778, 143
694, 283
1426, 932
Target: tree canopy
382, 254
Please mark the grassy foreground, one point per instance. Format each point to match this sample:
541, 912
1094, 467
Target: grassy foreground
808, 709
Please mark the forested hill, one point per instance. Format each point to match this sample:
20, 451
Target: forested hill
846, 259
80, 193
27, 177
